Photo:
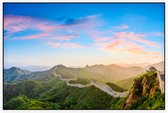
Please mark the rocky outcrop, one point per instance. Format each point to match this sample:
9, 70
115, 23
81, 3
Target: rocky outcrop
143, 86
144, 83
135, 92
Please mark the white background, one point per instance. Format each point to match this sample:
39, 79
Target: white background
76, 111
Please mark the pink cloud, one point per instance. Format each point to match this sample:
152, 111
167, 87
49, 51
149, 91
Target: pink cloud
135, 37
71, 45
137, 50
63, 37
114, 44
14, 20
98, 35
14, 24
46, 27
109, 44
54, 45
36, 36
64, 45
120, 34
98, 39
88, 25
134, 48
123, 45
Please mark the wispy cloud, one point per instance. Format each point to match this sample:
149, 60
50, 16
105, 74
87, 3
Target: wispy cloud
73, 28
124, 46
14, 24
50, 30
135, 37
120, 27
64, 45
36, 36
66, 37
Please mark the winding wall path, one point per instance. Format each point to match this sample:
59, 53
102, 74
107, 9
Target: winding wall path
161, 77
102, 87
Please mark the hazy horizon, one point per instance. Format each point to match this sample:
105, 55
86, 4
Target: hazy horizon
50, 66
76, 35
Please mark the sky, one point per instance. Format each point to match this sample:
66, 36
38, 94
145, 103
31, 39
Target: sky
83, 34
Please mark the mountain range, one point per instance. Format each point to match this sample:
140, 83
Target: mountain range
103, 87
101, 73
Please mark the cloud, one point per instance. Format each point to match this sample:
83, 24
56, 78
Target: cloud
47, 27
126, 41
64, 45
135, 37
73, 28
81, 20
109, 45
129, 42
99, 39
14, 24
48, 30
121, 27
36, 36
66, 37
122, 45
135, 48
114, 44
54, 45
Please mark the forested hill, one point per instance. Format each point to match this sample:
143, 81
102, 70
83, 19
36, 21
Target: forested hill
55, 94
145, 93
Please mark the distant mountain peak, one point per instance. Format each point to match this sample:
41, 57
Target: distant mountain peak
60, 65
14, 68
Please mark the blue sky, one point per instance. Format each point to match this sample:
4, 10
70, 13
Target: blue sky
81, 34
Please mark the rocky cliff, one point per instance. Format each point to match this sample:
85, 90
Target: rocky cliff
144, 91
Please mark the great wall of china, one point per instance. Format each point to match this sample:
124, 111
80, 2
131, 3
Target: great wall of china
161, 78
109, 90
102, 87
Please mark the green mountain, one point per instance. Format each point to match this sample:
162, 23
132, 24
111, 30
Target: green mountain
15, 74
128, 83
114, 72
67, 72
23, 102
145, 93
47, 90
54, 94
100, 73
